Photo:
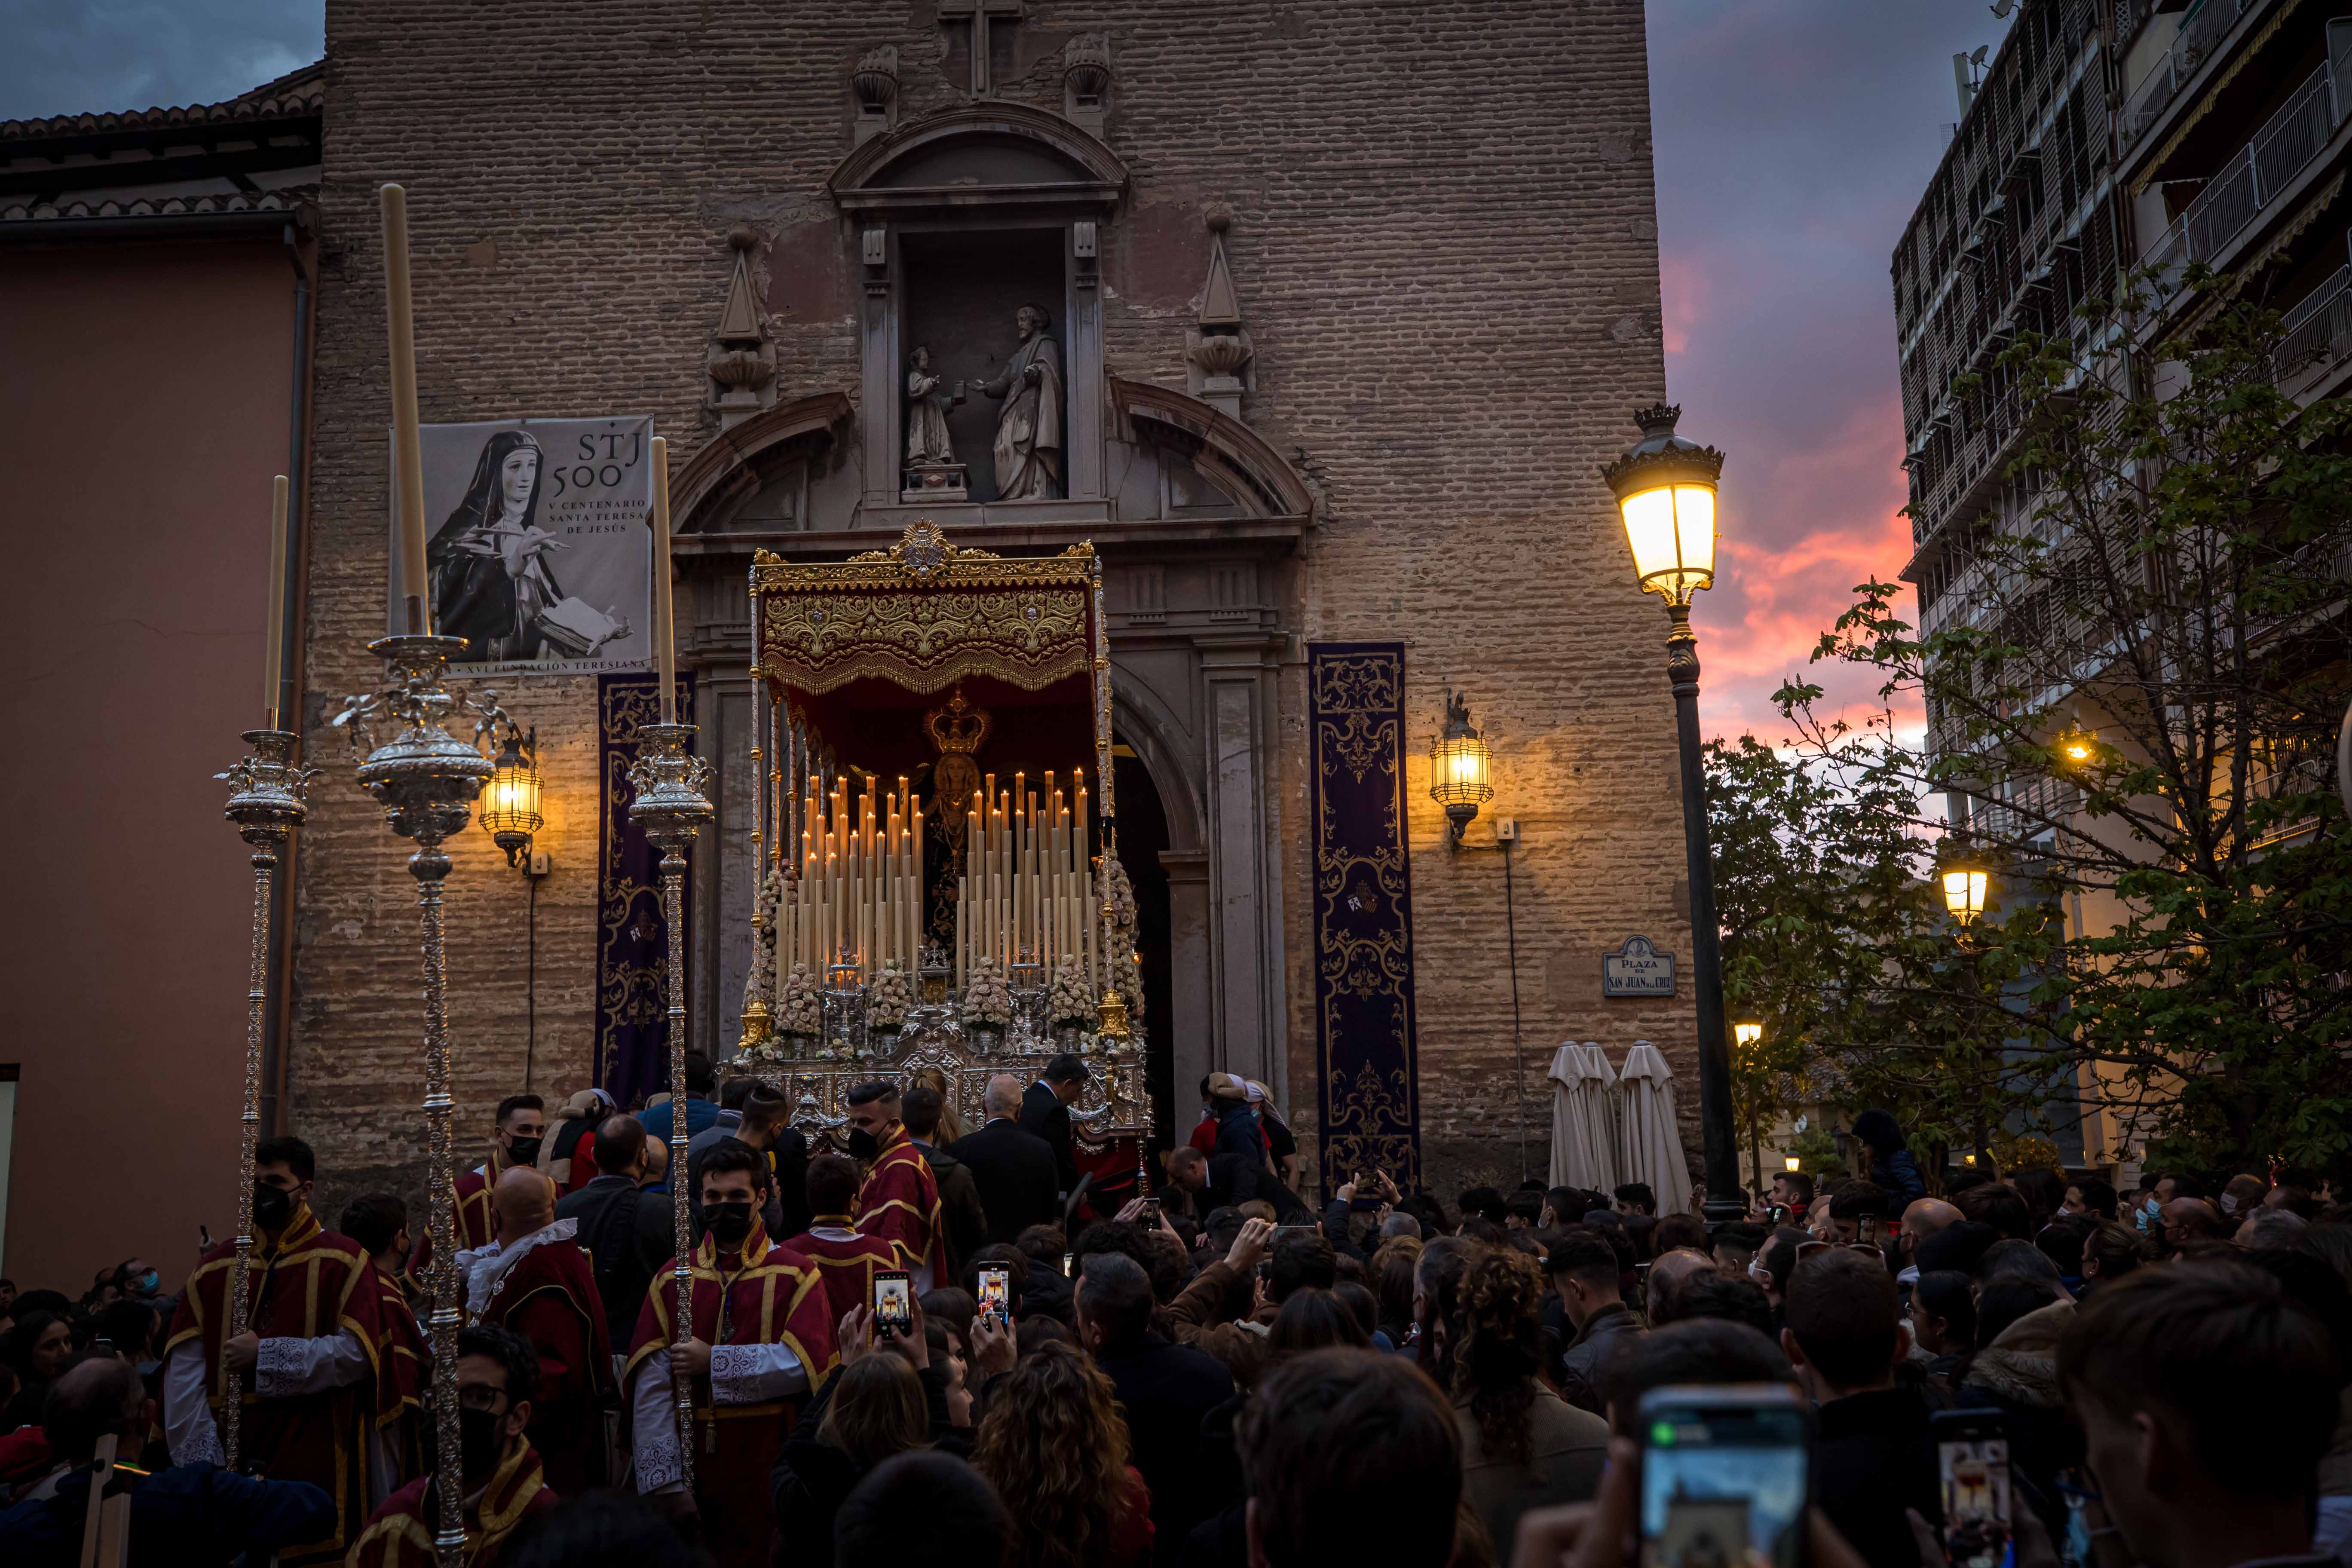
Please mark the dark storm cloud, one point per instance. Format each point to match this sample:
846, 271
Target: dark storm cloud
67, 56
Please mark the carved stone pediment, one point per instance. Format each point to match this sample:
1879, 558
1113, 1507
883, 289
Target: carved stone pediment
989, 154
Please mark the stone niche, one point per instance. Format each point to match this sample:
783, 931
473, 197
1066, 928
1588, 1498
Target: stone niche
960, 219
960, 292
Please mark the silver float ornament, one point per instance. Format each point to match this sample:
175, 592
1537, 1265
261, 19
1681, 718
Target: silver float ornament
266, 804
426, 780
670, 808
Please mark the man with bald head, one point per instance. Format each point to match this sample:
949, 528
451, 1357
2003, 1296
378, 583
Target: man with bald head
2185, 1220
189, 1514
1668, 1277
624, 1228
1013, 1167
535, 1279
1925, 1217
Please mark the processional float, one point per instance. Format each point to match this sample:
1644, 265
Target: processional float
978, 925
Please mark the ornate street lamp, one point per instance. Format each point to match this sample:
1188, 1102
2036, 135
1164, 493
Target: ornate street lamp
1665, 486
1461, 770
1965, 882
509, 805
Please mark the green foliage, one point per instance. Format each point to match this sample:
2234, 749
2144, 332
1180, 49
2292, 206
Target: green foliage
1817, 1156
2172, 906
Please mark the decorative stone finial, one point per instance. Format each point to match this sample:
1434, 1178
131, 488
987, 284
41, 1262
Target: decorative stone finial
875, 80
743, 236
1218, 215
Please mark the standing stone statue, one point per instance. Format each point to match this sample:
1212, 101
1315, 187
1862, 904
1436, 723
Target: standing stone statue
926, 412
1029, 430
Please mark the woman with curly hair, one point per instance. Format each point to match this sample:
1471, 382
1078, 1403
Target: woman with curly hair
1055, 1446
1523, 1447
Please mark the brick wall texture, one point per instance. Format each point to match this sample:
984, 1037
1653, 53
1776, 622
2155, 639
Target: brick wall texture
1445, 243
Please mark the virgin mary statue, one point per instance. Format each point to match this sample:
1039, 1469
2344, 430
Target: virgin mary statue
491, 576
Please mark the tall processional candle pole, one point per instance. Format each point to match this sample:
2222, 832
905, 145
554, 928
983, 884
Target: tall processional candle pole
670, 807
266, 801
425, 779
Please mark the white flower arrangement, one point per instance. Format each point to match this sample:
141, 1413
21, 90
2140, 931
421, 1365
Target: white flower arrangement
798, 1012
887, 999
987, 1000
1070, 1003
1121, 895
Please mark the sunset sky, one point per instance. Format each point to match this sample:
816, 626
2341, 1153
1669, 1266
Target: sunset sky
1792, 139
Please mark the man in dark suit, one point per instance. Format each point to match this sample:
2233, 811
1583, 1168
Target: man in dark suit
1045, 1111
1013, 1169
1167, 1392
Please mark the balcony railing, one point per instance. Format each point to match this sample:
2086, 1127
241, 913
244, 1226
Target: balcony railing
2200, 32
2318, 332
2254, 178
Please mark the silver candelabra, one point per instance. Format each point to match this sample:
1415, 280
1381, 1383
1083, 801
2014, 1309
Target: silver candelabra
670, 807
426, 779
266, 801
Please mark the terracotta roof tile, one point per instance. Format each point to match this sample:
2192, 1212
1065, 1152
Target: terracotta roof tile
293, 96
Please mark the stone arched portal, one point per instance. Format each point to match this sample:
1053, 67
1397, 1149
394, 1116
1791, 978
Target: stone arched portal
1196, 516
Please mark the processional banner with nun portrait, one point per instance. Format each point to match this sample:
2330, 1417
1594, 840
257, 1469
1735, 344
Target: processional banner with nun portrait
536, 544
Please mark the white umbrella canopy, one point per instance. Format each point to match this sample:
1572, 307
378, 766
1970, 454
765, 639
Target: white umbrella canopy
1654, 1148
1575, 1163
1604, 1118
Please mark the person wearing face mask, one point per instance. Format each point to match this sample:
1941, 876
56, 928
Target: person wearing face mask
515, 1137
308, 1351
498, 1468
758, 1343
379, 1223
536, 1281
900, 1199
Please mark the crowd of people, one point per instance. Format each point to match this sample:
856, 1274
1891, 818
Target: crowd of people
1216, 1372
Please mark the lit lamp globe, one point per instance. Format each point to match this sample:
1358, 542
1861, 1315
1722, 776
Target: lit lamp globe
2075, 747
1792, 1162
509, 809
1965, 883
1745, 1033
1461, 770
1665, 486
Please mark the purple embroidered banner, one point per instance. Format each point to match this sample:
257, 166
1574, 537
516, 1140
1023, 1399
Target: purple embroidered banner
1368, 1088
632, 1012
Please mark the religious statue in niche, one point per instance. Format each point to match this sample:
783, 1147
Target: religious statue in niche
1029, 430
933, 472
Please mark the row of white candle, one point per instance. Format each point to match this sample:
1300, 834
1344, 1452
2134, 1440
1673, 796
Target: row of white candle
859, 896
1028, 890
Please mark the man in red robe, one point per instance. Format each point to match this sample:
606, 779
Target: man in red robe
900, 1199
536, 1281
379, 1223
846, 1258
514, 1141
757, 1345
498, 1468
310, 1350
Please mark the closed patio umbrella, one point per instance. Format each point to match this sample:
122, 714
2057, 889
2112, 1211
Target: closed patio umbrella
1653, 1144
1575, 1163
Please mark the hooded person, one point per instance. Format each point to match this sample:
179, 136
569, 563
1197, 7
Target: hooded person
537, 1280
1892, 1168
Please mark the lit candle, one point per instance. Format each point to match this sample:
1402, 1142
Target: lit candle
407, 448
665, 633
273, 674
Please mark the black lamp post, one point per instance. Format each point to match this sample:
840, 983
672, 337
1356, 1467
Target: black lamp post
1665, 494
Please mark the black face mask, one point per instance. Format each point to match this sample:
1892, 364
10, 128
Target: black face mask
272, 1207
864, 1144
730, 1223
523, 1152
480, 1444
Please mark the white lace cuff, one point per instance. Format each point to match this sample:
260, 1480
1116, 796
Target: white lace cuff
280, 1368
657, 1463
750, 1375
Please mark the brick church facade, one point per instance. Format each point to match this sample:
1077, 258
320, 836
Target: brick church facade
1352, 304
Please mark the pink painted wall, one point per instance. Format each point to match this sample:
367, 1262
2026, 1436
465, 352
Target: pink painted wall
144, 394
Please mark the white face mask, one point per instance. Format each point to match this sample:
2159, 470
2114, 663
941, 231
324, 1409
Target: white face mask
2229, 1203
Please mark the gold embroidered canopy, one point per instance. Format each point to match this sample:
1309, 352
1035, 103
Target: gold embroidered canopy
925, 613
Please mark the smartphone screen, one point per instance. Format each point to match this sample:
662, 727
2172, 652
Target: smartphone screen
1069, 1266
996, 1294
1972, 1463
894, 1302
1724, 1477
1866, 1229
1779, 1214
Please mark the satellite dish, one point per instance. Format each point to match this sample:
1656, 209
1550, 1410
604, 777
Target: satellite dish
1978, 57
2001, 8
